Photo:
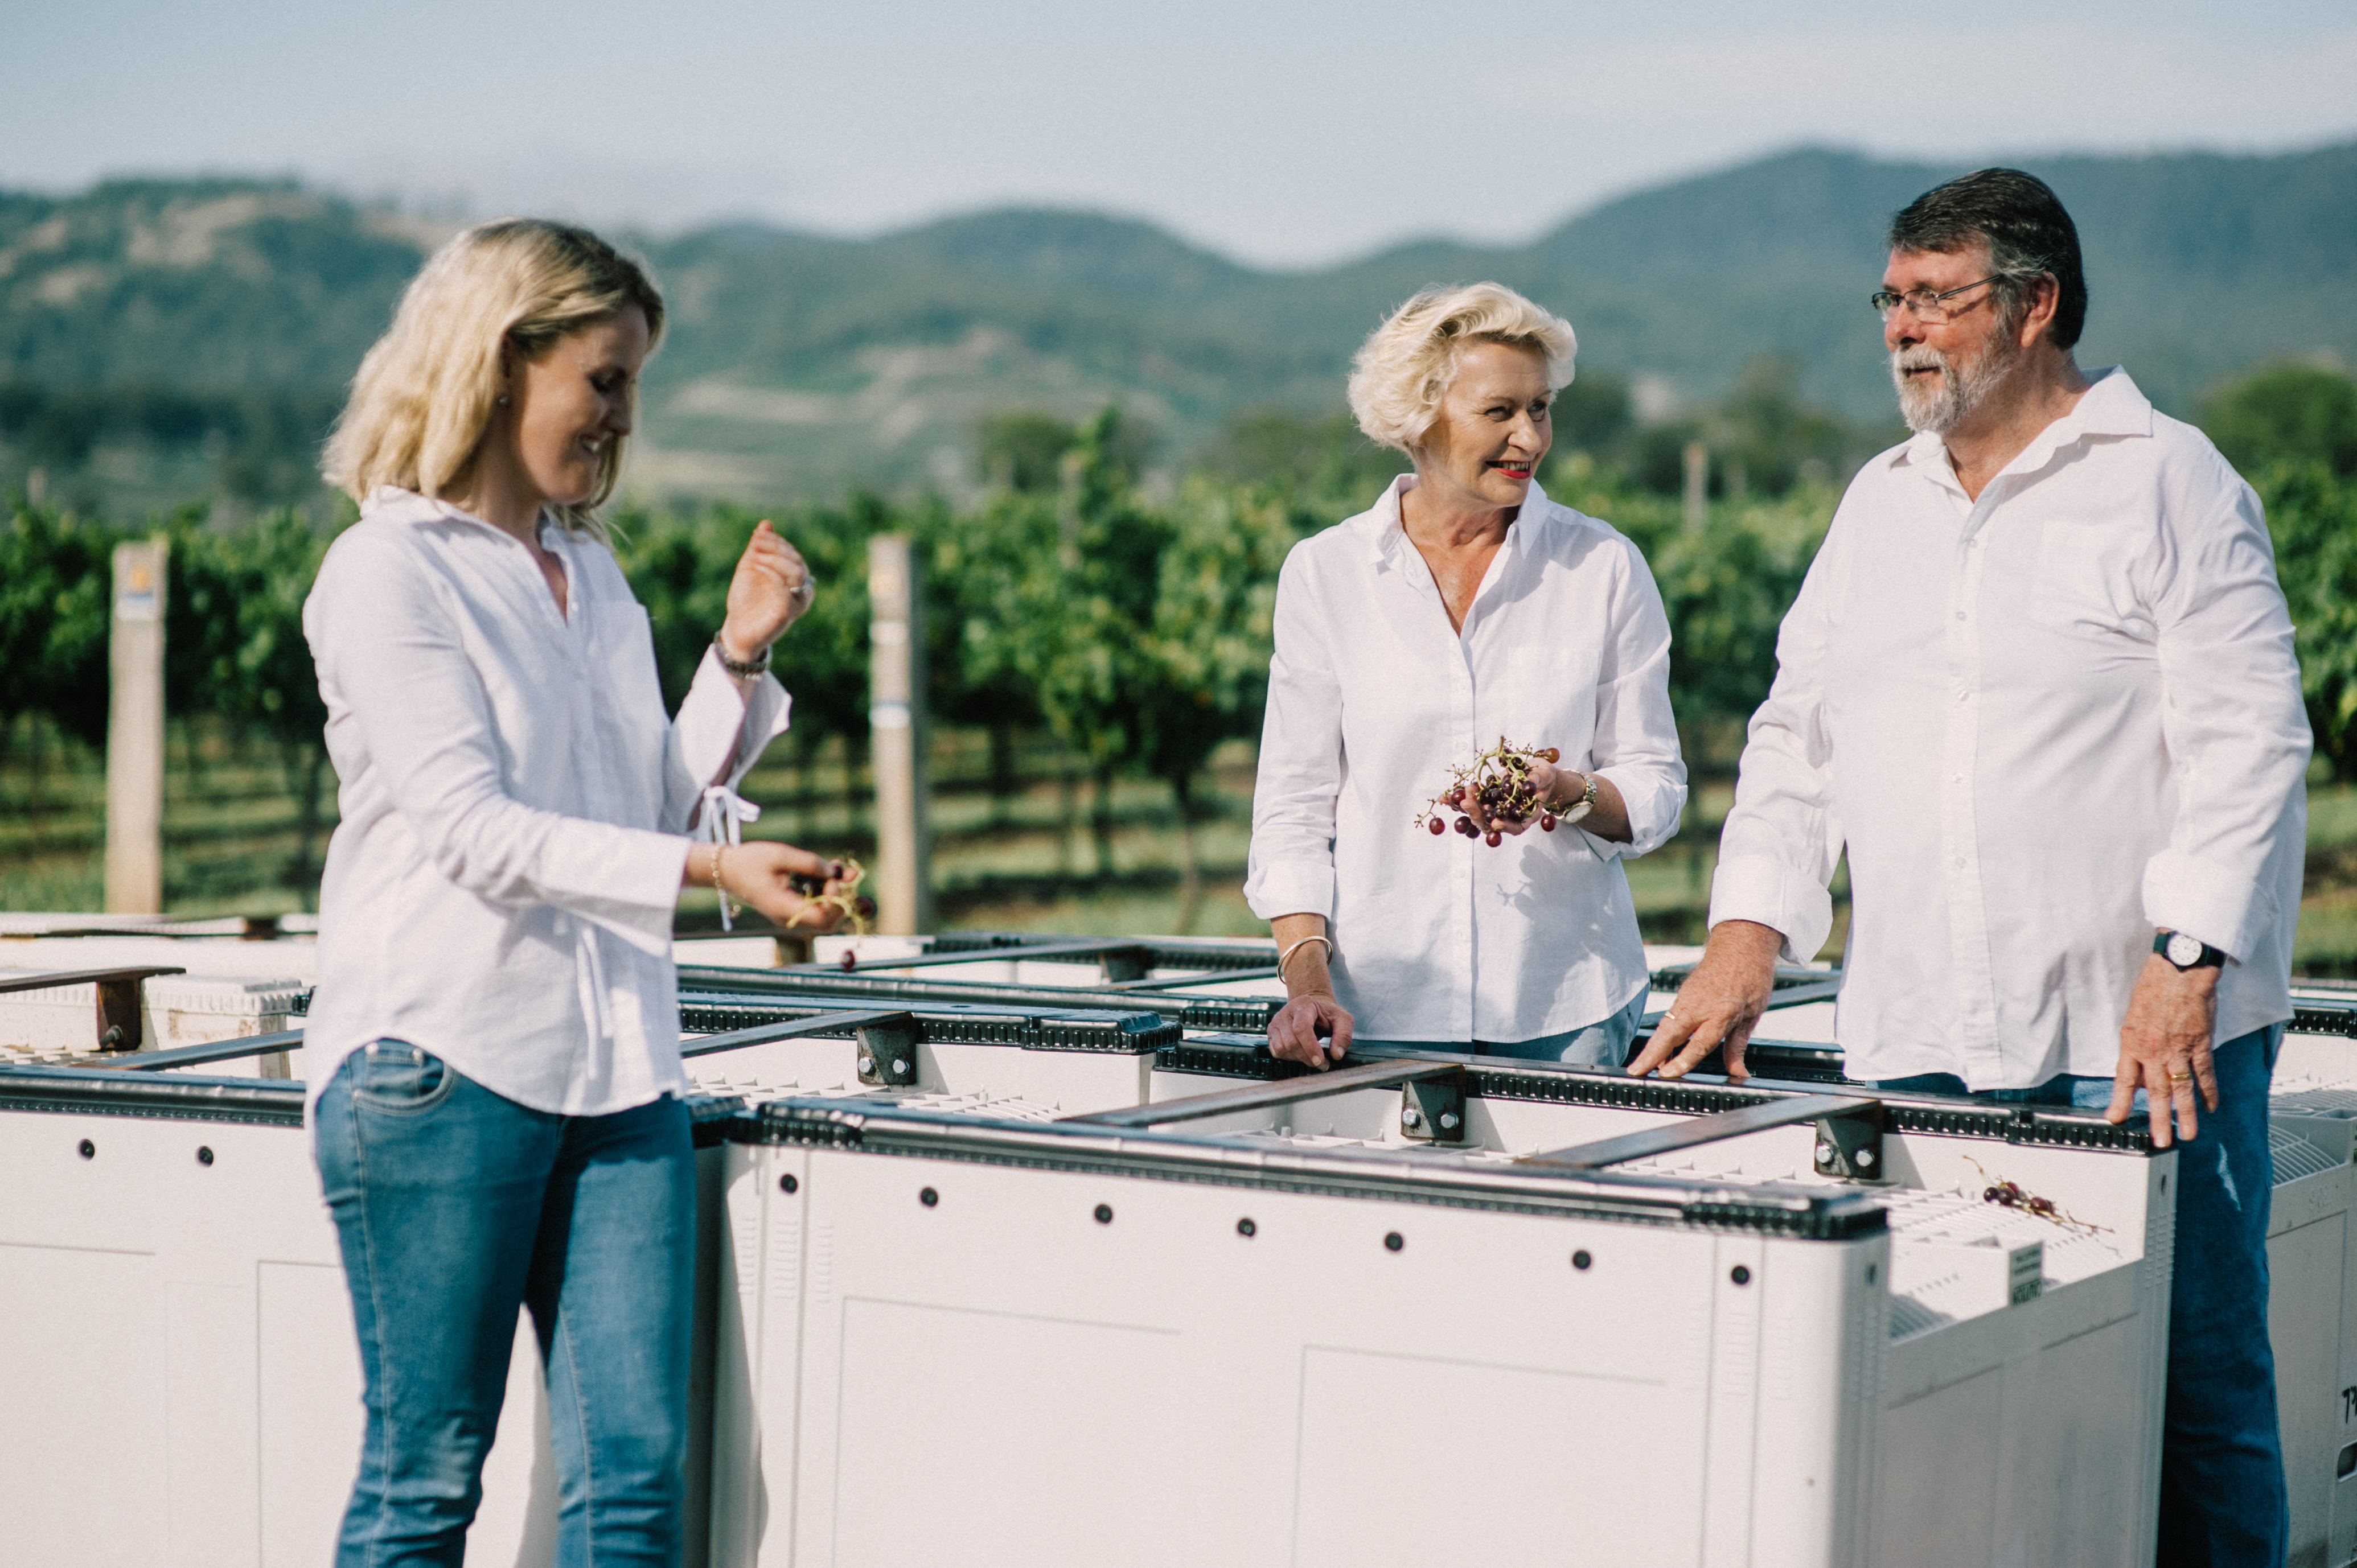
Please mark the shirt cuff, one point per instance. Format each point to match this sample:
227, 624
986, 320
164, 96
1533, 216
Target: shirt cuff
1653, 806
1780, 897
715, 716
638, 875
2186, 893
1274, 890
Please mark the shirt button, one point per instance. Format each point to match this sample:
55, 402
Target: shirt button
1960, 615
1960, 863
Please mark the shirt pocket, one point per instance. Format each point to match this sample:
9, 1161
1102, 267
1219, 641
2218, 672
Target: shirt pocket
632, 725
2088, 577
621, 648
1544, 693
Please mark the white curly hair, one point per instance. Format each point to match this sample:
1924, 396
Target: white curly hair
1402, 371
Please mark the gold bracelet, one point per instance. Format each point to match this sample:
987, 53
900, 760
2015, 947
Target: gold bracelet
727, 904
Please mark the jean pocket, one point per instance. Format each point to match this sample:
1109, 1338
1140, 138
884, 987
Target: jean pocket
396, 1076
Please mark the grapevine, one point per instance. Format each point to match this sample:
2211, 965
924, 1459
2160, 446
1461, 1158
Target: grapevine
1498, 781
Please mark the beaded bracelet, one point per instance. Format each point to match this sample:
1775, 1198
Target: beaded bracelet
742, 670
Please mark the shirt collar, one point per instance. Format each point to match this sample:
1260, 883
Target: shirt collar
2111, 405
1386, 537
391, 503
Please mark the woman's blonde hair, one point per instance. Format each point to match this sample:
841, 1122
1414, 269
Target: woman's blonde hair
1402, 371
424, 393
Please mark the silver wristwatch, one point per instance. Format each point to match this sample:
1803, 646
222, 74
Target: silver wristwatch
1586, 802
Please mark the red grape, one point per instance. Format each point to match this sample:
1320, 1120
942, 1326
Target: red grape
1493, 838
1546, 823
1435, 827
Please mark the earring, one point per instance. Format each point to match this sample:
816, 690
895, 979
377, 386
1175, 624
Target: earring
503, 399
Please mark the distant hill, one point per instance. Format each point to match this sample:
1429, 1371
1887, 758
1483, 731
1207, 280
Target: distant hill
799, 364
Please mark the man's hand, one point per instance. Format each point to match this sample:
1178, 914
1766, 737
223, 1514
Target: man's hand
2165, 1047
1719, 1003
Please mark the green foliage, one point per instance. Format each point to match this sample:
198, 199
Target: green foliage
56, 572
2287, 413
233, 625
2312, 513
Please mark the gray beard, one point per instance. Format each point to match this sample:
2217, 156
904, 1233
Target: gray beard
1936, 410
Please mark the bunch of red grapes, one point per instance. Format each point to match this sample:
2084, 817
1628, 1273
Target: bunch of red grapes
1500, 781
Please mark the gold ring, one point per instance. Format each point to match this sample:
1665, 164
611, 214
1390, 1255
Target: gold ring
2180, 1078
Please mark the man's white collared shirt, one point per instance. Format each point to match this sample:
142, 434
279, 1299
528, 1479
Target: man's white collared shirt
2044, 724
1371, 698
514, 803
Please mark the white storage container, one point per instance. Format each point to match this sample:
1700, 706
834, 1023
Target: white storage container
57, 1024
177, 1370
905, 1379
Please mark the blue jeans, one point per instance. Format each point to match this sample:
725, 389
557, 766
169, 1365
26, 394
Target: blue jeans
1598, 1044
456, 1206
2222, 1478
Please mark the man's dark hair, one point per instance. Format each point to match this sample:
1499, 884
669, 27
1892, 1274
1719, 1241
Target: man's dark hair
2027, 230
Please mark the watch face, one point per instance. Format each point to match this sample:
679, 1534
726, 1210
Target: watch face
2184, 952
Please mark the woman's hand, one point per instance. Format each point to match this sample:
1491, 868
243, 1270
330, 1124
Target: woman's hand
1562, 787
769, 591
1312, 1027
761, 874
1309, 1029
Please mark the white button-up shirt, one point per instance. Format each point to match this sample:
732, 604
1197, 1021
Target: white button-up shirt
514, 804
2044, 724
1371, 698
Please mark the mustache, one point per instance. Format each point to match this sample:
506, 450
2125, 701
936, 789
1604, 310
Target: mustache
1919, 358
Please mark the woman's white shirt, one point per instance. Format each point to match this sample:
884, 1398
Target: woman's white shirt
1371, 698
501, 886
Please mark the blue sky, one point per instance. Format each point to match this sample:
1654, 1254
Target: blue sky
1287, 135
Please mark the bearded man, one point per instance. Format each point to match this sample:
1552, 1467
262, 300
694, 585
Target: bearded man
2039, 684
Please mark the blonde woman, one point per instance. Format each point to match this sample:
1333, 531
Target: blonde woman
492, 1048
1463, 607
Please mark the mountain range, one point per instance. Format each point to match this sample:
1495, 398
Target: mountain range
798, 364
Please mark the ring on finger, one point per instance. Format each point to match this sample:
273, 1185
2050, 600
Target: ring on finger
2180, 1078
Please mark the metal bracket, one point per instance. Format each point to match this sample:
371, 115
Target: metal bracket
118, 998
1121, 965
1432, 1110
888, 1052
1850, 1142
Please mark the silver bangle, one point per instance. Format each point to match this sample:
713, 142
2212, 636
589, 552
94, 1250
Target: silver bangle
743, 672
1296, 948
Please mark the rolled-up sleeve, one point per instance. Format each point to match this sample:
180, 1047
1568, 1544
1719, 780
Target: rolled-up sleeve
1783, 839
1292, 859
2237, 732
1636, 743
390, 654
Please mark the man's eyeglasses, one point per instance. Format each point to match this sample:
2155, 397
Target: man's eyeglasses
1922, 304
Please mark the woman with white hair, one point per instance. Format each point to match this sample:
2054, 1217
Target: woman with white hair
497, 1099
1463, 608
